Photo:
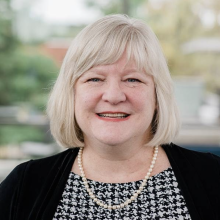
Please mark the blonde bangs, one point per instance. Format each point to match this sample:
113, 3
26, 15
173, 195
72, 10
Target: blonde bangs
102, 50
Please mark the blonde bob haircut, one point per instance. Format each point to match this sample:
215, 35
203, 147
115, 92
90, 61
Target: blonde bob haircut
102, 43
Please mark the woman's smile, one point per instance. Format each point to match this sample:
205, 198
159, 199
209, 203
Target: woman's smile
113, 116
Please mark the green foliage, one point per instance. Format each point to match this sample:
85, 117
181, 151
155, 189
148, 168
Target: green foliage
25, 78
107, 7
117, 7
18, 134
178, 22
24, 75
7, 40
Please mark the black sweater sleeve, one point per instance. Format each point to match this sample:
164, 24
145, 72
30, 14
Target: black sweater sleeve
9, 192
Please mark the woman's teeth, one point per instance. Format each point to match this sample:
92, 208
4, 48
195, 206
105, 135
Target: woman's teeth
115, 115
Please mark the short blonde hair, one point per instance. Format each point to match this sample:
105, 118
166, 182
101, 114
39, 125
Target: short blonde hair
101, 43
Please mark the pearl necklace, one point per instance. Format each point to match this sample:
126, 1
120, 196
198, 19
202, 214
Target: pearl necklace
128, 201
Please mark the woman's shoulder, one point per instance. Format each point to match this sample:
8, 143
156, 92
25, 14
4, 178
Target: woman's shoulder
41, 167
54, 160
201, 160
183, 152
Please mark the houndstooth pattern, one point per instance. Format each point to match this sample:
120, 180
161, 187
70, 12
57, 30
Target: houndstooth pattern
160, 200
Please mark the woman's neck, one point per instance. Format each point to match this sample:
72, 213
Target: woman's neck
114, 164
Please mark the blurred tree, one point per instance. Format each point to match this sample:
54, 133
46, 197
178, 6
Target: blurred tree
24, 75
26, 78
13, 134
7, 39
178, 22
174, 23
128, 7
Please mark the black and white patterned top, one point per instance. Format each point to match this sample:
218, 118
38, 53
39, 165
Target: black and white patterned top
160, 199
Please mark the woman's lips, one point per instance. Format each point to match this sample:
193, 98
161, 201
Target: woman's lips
109, 116
113, 115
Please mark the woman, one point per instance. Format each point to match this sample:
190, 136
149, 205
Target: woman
113, 106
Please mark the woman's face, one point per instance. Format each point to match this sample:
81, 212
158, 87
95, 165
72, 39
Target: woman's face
115, 104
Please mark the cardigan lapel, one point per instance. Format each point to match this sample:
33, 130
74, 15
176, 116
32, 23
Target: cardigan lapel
190, 183
51, 202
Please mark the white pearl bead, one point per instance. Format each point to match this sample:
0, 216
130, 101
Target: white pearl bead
126, 203
105, 206
135, 195
114, 207
118, 206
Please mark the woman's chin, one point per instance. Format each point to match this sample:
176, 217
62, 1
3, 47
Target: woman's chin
113, 140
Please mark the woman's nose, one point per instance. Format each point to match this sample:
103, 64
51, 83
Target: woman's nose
113, 93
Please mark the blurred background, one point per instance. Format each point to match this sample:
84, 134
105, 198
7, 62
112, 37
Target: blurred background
35, 35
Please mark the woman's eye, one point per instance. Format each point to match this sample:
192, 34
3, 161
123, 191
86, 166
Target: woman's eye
94, 80
133, 80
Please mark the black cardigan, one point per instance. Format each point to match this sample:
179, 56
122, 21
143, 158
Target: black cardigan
33, 189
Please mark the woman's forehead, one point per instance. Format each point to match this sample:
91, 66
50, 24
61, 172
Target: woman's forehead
118, 66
